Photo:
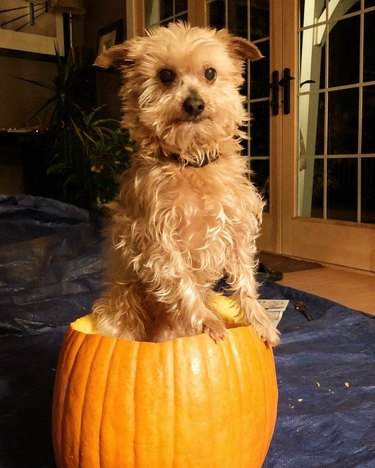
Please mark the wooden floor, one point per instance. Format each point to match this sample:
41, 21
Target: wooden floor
354, 290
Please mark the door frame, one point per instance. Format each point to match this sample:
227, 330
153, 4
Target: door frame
327, 241
271, 235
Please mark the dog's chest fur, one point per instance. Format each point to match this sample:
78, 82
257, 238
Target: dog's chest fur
196, 214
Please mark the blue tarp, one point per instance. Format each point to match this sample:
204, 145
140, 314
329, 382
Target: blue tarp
50, 270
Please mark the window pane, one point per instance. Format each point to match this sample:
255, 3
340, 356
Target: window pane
181, 5
152, 12
344, 40
260, 129
313, 12
368, 122
319, 142
166, 9
237, 18
369, 49
368, 190
313, 62
261, 178
245, 75
343, 122
161, 11
341, 8
216, 14
259, 19
183, 17
260, 72
311, 124
318, 189
322, 79
245, 142
342, 189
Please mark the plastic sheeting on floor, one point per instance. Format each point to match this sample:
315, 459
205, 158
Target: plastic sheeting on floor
50, 269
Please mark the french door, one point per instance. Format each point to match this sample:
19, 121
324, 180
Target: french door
312, 103
328, 141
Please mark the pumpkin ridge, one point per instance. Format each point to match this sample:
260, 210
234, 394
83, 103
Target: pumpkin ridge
60, 392
167, 361
176, 346
84, 402
206, 372
245, 344
262, 379
272, 395
135, 400
266, 388
175, 369
233, 363
67, 389
274, 390
109, 368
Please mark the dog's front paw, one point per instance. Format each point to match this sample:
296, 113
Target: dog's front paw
257, 316
215, 328
269, 333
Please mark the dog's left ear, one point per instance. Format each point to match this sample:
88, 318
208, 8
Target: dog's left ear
116, 57
239, 47
244, 49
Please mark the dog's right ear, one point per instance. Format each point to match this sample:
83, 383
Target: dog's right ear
116, 57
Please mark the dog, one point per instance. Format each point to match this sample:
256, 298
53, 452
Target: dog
186, 211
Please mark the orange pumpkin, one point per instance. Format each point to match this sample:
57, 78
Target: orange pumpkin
181, 403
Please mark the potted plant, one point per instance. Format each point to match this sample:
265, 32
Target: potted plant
85, 151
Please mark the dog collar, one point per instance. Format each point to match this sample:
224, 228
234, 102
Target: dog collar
177, 159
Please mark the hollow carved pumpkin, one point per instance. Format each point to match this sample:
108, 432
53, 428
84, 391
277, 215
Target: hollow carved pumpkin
186, 402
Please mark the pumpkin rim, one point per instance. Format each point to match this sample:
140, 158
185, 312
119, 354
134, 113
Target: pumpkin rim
85, 325
225, 307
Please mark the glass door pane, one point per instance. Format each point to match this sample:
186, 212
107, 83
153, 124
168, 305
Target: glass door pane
162, 12
251, 19
336, 105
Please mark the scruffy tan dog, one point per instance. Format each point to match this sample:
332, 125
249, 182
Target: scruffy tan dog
186, 211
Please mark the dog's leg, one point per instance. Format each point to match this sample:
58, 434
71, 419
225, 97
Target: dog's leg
214, 326
120, 312
256, 315
197, 316
166, 325
241, 278
183, 301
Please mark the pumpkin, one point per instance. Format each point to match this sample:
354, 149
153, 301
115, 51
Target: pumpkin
186, 402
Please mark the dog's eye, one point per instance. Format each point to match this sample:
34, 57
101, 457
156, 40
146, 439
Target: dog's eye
166, 76
210, 74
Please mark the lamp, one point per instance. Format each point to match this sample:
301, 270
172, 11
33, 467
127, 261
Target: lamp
72, 7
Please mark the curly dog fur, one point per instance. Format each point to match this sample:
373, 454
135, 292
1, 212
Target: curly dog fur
186, 211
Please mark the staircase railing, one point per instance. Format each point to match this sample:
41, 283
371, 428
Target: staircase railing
32, 12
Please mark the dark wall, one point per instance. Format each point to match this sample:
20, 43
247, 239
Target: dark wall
98, 17
20, 99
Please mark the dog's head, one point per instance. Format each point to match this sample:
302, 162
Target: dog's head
181, 88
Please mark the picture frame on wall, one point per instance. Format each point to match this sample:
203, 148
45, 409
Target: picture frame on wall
110, 35
31, 29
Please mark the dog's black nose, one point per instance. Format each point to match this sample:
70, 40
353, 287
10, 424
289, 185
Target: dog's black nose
194, 105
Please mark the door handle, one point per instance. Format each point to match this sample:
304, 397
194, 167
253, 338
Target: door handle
275, 92
285, 83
